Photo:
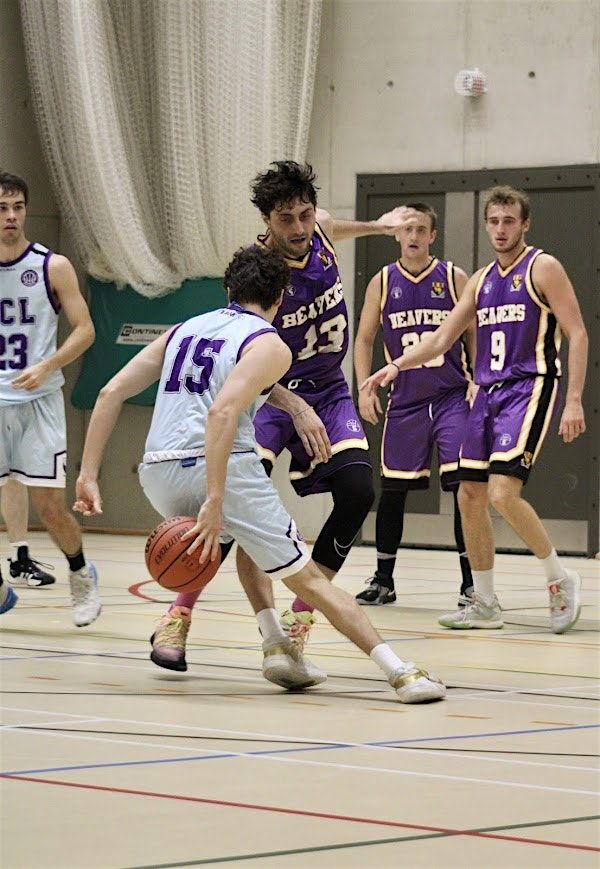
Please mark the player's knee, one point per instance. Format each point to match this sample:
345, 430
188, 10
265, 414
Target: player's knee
353, 491
51, 511
502, 493
471, 496
308, 581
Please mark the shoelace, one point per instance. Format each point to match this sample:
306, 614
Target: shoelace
173, 633
299, 629
30, 566
80, 588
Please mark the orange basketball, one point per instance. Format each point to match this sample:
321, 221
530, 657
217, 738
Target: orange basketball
167, 559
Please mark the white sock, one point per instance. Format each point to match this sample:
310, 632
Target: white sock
386, 659
483, 581
269, 626
552, 566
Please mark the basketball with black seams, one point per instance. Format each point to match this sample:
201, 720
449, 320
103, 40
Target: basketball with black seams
168, 561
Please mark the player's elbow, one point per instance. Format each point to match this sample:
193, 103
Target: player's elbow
90, 335
223, 415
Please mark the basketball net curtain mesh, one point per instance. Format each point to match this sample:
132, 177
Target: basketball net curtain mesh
156, 114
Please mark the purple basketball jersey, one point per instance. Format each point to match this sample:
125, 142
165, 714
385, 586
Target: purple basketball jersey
413, 306
517, 333
313, 319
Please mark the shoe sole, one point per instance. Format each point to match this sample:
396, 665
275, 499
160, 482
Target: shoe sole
480, 626
374, 602
89, 622
280, 675
25, 584
571, 623
422, 694
178, 667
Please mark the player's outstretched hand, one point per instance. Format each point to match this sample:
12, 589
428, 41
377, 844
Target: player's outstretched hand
396, 219
369, 407
87, 497
572, 421
207, 531
382, 377
313, 434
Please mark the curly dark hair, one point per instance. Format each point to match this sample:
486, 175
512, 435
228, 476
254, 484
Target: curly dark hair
13, 184
256, 275
282, 185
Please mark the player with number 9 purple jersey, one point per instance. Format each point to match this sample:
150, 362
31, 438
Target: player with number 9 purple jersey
517, 333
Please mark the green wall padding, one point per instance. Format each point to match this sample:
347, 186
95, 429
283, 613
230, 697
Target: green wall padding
113, 309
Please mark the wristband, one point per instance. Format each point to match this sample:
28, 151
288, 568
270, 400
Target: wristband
397, 367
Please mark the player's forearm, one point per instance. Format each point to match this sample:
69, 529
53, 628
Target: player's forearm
103, 420
432, 345
363, 359
344, 229
77, 343
220, 433
286, 400
578, 354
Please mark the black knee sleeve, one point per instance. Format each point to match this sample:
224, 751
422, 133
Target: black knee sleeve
353, 495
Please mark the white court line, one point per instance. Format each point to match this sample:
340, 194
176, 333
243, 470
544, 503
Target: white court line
349, 767
82, 719
302, 740
242, 754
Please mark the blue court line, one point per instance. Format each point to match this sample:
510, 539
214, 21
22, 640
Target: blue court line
274, 752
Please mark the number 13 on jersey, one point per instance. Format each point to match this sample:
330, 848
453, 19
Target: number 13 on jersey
331, 333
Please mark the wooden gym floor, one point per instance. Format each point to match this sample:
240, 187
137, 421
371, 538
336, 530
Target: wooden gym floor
108, 761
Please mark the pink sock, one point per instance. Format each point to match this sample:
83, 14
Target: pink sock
300, 607
185, 598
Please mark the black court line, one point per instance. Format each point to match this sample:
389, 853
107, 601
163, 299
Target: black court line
370, 843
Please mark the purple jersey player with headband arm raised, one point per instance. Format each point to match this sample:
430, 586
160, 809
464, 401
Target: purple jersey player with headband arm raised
310, 411
521, 301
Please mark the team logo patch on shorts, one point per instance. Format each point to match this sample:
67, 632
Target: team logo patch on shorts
527, 459
29, 278
353, 425
505, 439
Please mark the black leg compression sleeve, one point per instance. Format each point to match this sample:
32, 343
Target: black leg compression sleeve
388, 534
268, 466
465, 567
353, 495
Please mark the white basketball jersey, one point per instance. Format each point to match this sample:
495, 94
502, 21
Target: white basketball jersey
200, 355
28, 322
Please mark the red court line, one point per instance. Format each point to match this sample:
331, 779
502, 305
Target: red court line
301, 812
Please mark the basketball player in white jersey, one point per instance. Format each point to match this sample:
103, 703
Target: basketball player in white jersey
34, 285
215, 371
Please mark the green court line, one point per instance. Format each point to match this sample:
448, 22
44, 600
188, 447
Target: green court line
366, 843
